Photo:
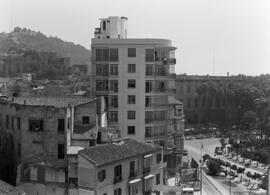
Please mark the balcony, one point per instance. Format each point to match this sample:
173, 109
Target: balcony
132, 175
149, 192
146, 170
117, 179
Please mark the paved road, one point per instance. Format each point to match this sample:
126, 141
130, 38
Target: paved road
194, 149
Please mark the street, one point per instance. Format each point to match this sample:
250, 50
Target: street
211, 185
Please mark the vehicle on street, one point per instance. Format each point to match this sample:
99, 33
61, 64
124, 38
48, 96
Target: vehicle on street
218, 151
187, 191
185, 152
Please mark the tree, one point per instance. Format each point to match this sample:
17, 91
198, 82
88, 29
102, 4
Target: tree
248, 120
213, 167
263, 113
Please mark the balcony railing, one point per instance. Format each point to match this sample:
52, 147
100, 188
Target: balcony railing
117, 179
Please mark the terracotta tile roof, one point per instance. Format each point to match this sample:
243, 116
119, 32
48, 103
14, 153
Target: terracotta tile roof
58, 102
117, 150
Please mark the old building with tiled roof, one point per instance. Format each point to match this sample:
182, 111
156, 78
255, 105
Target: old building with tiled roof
39, 132
124, 166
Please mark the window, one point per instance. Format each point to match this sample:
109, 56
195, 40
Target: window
157, 179
148, 132
159, 158
178, 112
114, 85
131, 52
101, 85
61, 125
147, 162
131, 83
114, 69
149, 55
102, 54
148, 86
131, 99
131, 130
85, 120
7, 121
117, 174
114, 54
131, 115
12, 123
104, 25
118, 191
149, 70
131, 68
61, 151
102, 70
101, 175
113, 116
36, 125
114, 101
132, 171
18, 123
148, 101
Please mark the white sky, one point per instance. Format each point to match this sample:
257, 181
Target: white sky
212, 36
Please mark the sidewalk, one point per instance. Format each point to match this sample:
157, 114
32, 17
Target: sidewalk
214, 183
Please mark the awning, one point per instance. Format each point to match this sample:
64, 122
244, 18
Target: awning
147, 156
148, 176
134, 181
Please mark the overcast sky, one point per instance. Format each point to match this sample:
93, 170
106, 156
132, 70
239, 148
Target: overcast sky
212, 36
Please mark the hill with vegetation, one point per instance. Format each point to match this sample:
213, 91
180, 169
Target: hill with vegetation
28, 39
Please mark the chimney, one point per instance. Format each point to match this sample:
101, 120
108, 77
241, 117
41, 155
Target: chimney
228, 74
24, 102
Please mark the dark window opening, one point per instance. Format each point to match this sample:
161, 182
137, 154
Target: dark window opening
117, 174
61, 151
61, 125
7, 121
36, 125
18, 123
131, 83
131, 52
131, 115
131, 68
131, 130
159, 158
101, 175
85, 120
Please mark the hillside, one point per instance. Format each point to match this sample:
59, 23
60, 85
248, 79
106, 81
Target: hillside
25, 38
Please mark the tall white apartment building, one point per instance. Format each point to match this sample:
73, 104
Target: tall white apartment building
136, 78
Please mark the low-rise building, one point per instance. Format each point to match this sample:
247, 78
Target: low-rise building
41, 132
122, 167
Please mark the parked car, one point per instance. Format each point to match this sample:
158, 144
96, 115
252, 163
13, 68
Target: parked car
185, 152
218, 151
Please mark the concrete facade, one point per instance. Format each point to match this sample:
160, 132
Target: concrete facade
136, 78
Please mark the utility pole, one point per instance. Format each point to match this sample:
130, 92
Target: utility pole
201, 169
268, 181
